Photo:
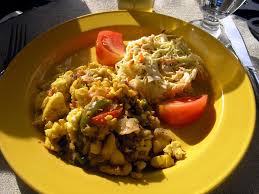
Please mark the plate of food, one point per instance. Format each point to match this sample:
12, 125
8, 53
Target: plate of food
125, 102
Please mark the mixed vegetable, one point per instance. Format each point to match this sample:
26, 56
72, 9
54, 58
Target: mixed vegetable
107, 115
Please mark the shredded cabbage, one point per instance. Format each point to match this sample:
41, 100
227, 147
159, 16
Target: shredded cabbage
159, 65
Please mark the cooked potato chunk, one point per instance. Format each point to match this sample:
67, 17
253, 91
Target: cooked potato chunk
162, 137
95, 147
117, 157
159, 144
164, 133
162, 161
108, 147
140, 165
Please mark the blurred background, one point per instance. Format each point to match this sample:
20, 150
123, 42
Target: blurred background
18, 5
249, 11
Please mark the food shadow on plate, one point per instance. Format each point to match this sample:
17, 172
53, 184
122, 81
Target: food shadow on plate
149, 176
196, 132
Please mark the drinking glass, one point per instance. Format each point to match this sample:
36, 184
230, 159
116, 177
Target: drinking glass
140, 5
213, 11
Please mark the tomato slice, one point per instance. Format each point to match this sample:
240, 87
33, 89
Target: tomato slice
109, 47
184, 110
100, 118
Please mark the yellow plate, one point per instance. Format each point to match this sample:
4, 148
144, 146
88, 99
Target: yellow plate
213, 151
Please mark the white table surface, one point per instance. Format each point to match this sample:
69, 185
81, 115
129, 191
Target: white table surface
244, 180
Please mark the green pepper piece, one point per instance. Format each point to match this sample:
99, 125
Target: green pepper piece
145, 105
91, 109
184, 59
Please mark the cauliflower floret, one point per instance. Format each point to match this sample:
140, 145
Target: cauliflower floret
55, 107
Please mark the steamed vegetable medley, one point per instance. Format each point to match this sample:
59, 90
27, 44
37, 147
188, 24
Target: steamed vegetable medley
107, 115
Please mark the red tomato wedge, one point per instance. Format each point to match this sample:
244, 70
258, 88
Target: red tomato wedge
109, 47
100, 118
184, 110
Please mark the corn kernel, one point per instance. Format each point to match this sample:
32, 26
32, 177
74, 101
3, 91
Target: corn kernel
108, 117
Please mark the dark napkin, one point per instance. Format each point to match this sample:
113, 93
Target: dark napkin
250, 11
